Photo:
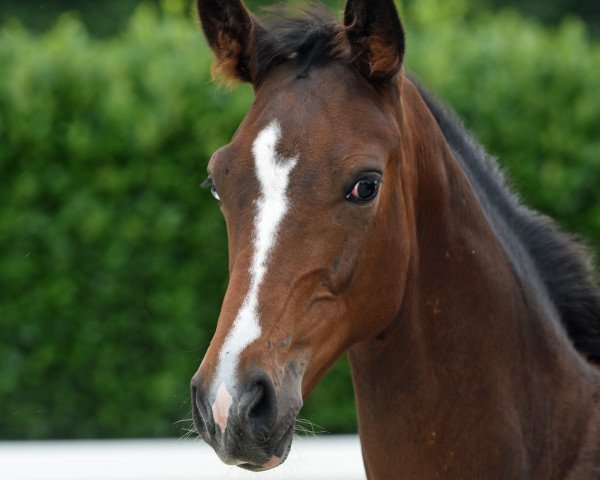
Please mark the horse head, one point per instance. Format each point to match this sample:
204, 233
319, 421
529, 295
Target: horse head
305, 186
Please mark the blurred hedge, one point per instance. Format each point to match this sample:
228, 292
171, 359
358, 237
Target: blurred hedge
113, 262
109, 17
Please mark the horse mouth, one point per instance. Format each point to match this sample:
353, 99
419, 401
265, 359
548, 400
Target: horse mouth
280, 453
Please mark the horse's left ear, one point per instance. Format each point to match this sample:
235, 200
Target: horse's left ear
376, 37
232, 33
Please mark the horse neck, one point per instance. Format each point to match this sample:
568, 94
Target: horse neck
471, 349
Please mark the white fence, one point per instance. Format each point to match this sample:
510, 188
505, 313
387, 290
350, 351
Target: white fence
328, 457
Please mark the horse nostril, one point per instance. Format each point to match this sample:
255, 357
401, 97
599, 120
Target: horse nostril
198, 422
199, 412
258, 407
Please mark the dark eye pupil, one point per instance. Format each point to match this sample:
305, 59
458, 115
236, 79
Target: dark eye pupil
366, 189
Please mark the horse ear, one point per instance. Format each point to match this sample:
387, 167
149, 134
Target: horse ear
376, 37
232, 33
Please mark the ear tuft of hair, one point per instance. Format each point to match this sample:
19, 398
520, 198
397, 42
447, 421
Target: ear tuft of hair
384, 59
230, 64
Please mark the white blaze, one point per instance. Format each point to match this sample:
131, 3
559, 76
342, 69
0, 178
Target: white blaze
272, 171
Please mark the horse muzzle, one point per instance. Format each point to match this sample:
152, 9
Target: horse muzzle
251, 425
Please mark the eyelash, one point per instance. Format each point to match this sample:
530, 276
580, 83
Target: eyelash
208, 183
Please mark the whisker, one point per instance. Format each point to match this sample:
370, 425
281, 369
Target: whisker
308, 428
182, 420
188, 429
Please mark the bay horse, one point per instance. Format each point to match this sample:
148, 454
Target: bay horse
363, 218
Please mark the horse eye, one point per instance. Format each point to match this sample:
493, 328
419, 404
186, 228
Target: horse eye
208, 183
214, 192
365, 190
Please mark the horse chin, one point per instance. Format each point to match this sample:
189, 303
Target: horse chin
258, 458
280, 453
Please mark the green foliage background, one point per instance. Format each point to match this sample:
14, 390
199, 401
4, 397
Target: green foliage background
113, 262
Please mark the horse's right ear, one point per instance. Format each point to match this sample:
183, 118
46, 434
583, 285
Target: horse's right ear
232, 32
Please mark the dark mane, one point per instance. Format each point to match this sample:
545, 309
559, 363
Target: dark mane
541, 252
549, 261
